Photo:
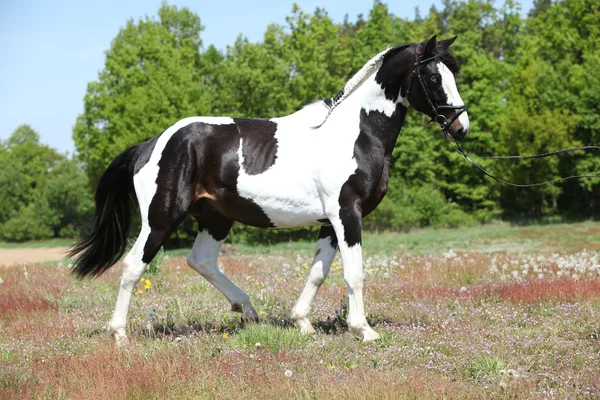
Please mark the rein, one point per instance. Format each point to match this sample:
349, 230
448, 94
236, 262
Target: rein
460, 151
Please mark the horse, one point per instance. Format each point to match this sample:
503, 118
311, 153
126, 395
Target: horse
326, 164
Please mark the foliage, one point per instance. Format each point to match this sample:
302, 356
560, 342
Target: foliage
44, 194
529, 83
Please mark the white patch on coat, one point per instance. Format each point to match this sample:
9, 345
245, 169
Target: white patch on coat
304, 183
449, 86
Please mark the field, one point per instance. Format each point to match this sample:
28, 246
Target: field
487, 312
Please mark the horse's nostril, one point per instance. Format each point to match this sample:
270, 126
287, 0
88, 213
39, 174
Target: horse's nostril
460, 133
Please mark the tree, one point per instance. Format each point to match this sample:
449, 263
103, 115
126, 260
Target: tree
150, 81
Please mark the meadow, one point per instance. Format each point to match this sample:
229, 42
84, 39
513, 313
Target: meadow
485, 312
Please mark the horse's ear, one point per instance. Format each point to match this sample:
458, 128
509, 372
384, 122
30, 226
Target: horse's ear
430, 47
447, 42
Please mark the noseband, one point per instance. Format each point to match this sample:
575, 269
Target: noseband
442, 121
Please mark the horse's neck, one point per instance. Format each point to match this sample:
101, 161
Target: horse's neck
379, 116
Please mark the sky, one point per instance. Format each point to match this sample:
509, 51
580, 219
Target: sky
51, 50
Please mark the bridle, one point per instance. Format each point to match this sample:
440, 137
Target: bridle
442, 121
445, 123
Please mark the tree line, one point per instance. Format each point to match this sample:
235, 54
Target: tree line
530, 82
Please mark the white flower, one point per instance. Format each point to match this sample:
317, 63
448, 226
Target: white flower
541, 276
463, 289
288, 373
257, 344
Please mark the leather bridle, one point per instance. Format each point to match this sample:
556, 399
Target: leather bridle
442, 121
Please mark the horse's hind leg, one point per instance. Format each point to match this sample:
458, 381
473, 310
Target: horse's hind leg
324, 255
159, 219
213, 229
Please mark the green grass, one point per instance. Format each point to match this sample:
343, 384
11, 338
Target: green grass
34, 244
484, 367
273, 338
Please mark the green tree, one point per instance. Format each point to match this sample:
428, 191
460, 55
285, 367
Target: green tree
150, 80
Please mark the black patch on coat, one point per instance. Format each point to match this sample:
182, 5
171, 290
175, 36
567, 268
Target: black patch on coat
144, 152
393, 72
328, 232
364, 190
259, 147
198, 173
217, 225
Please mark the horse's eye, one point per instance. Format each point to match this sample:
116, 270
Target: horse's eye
433, 79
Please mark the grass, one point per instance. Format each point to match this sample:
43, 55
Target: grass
35, 244
274, 338
493, 319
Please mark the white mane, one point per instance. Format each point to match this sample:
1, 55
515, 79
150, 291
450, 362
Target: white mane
357, 79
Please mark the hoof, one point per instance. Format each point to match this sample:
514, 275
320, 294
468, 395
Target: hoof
121, 341
304, 326
250, 316
365, 334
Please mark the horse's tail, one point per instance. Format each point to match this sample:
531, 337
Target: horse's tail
115, 195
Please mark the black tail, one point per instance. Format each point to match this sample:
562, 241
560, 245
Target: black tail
103, 247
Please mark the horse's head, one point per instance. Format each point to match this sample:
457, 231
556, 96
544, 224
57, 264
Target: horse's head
431, 88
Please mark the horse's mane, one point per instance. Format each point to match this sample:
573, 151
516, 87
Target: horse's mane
374, 64
357, 79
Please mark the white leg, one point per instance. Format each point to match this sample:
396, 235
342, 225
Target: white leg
354, 277
134, 268
203, 259
324, 256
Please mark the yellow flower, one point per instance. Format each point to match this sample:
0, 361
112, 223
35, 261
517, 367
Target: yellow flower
257, 283
261, 313
225, 335
299, 274
140, 291
306, 267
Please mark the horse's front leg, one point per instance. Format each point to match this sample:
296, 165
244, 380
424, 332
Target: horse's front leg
324, 255
347, 226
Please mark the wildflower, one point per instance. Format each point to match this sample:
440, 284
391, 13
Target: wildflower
298, 274
140, 291
257, 283
1, 281
257, 345
288, 373
306, 267
261, 313
225, 335
463, 289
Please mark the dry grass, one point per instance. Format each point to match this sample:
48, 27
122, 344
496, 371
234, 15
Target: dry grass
467, 325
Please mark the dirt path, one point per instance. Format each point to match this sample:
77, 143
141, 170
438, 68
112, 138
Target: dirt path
18, 256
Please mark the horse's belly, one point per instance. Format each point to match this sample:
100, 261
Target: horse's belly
287, 208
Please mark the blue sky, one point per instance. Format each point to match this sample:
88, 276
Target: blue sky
50, 50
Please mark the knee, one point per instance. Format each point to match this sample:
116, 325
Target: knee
354, 280
203, 266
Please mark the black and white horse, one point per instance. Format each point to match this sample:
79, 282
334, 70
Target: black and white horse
326, 164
